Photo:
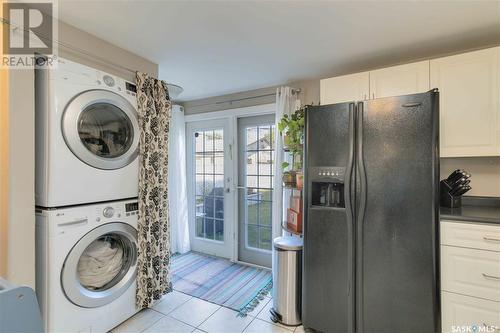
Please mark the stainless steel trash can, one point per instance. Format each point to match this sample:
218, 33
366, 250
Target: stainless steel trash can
287, 280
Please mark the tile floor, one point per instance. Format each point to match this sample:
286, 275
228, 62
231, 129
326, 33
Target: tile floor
179, 313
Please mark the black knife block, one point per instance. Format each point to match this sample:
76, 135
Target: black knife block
446, 199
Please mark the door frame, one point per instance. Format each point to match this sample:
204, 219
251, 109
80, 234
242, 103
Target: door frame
232, 116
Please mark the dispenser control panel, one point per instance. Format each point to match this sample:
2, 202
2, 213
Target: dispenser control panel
326, 172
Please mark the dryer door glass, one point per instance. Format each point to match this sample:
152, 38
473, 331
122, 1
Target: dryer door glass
105, 130
101, 128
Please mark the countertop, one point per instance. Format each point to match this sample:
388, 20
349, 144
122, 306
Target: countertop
474, 209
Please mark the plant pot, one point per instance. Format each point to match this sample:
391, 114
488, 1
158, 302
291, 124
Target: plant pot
289, 178
299, 180
286, 142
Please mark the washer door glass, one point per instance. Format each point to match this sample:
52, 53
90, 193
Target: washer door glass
105, 130
101, 266
104, 262
100, 127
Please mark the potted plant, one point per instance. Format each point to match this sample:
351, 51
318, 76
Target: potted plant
291, 127
289, 176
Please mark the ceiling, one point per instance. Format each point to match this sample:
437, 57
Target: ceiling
214, 47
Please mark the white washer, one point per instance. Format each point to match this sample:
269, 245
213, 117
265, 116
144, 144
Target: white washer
68, 243
87, 136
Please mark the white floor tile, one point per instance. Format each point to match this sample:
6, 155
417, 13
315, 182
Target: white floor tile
194, 312
171, 301
265, 315
225, 321
259, 307
170, 325
260, 326
300, 329
139, 322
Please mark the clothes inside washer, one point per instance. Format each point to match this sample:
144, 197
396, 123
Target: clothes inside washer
101, 261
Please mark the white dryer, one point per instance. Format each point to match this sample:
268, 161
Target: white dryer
86, 264
87, 136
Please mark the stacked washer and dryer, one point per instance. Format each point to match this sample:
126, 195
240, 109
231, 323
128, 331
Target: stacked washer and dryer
87, 139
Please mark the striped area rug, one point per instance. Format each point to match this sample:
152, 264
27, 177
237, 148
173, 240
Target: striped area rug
220, 281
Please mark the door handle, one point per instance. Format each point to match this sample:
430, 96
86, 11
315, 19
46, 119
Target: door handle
241, 187
491, 277
78, 221
492, 239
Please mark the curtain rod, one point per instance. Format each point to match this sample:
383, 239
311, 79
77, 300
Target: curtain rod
294, 92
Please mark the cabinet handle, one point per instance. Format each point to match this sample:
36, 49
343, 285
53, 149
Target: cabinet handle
79, 221
373, 95
491, 277
492, 239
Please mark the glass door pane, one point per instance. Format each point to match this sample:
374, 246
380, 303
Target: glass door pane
256, 169
209, 175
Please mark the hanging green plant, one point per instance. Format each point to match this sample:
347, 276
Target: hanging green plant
291, 127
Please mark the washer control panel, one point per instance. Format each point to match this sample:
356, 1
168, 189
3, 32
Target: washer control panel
132, 208
108, 212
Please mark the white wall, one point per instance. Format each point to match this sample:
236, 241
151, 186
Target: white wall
485, 171
21, 179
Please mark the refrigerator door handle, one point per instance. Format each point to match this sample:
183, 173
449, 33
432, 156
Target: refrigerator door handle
360, 218
360, 164
349, 210
350, 167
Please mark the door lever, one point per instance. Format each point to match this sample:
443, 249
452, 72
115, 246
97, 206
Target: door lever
410, 105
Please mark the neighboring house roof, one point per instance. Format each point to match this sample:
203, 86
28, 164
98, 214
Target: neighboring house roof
263, 143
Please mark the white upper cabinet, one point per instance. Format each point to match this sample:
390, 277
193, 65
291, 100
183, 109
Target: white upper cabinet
353, 87
469, 102
400, 80
469, 91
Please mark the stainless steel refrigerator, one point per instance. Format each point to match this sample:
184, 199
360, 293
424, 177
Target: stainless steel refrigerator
371, 224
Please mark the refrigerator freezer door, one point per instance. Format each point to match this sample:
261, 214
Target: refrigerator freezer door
397, 218
328, 262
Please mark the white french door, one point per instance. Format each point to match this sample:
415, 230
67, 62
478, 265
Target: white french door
209, 187
256, 157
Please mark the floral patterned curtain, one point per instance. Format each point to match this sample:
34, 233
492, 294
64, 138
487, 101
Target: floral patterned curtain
153, 272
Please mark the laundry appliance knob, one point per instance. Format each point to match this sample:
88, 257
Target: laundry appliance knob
108, 212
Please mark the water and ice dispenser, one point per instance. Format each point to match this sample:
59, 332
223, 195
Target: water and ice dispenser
327, 186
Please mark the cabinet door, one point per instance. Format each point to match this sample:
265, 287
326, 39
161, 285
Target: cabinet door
470, 272
469, 96
353, 87
400, 80
472, 235
462, 311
